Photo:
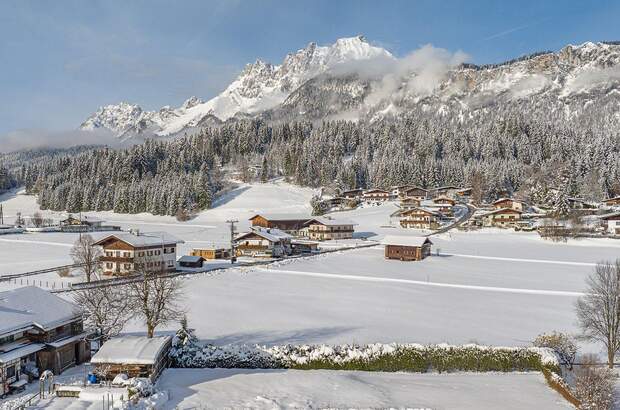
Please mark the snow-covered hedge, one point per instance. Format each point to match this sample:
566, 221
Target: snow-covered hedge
373, 357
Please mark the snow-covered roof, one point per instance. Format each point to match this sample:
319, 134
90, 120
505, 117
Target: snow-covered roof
329, 221
424, 209
271, 234
132, 350
20, 351
501, 210
143, 239
609, 215
416, 241
190, 258
23, 308
282, 217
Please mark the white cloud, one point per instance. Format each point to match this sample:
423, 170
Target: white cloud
30, 138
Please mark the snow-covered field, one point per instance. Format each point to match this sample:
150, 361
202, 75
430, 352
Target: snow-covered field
491, 287
273, 389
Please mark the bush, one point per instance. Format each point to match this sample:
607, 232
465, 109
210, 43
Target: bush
562, 344
64, 272
594, 385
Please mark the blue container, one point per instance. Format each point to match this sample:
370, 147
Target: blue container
92, 378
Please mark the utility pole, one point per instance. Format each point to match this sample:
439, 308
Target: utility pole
232, 222
1, 215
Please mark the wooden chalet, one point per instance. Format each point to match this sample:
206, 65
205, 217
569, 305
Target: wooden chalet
122, 251
615, 201
135, 356
611, 222
376, 195
211, 253
407, 248
264, 242
352, 194
511, 203
408, 203
323, 228
417, 193
447, 190
504, 217
289, 223
444, 200
399, 191
38, 331
420, 218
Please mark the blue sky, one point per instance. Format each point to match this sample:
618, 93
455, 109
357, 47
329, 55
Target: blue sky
60, 60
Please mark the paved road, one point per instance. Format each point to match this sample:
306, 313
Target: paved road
461, 221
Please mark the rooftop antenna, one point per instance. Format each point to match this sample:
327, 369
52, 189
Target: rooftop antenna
232, 222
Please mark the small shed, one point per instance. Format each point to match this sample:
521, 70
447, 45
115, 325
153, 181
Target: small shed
407, 248
189, 261
135, 356
211, 253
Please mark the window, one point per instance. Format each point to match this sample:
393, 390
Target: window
127, 266
126, 255
149, 253
157, 252
109, 265
140, 253
10, 372
109, 253
7, 339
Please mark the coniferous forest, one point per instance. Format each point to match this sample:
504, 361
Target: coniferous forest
505, 152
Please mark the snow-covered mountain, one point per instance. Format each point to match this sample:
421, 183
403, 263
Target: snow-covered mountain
352, 78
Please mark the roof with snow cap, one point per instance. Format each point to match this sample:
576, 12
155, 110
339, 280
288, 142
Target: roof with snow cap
132, 350
281, 217
397, 240
23, 308
142, 239
329, 221
271, 234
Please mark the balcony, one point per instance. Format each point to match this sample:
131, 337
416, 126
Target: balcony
116, 259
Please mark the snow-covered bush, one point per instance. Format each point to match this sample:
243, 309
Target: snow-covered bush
561, 343
186, 352
594, 385
376, 357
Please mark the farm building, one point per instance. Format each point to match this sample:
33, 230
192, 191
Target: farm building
301, 246
122, 251
264, 242
407, 248
502, 218
135, 356
211, 253
611, 222
323, 228
38, 331
289, 223
420, 218
376, 195
189, 261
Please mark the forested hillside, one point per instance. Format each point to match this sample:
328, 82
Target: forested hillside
503, 151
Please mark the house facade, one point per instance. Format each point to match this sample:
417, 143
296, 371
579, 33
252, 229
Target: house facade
352, 194
264, 242
416, 193
615, 201
611, 223
503, 218
289, 223
324, 228
376, 195
123, 251
407, 248
38, 331
504, 203
420, 218
409, 203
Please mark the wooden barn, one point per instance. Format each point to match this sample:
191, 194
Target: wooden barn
407, 248
189, 261
135, 356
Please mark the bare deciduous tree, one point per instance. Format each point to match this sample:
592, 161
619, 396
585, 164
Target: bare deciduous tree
37, 220
105, 309
87, 256
598, 311
155, 298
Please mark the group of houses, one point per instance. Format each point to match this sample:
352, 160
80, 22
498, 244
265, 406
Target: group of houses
278, 235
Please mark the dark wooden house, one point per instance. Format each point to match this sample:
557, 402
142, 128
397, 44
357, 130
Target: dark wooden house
407, 248
285, 222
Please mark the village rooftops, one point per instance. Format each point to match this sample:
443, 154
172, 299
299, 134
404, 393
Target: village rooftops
397, 240
142, 239
502, 210
423, 209
328, 221
30, 306
131, 350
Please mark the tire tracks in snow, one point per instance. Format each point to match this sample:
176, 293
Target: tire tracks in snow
422, 283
